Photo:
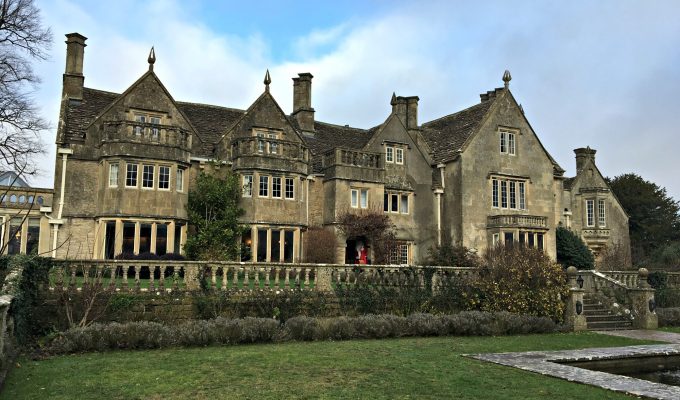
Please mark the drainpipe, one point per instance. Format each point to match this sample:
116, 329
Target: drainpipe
56, 222
439, 193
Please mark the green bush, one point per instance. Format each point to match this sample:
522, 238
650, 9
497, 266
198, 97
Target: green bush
668, 316
28, 321
667, 297
572, 251
148, 335
453, 256
519, 280
657, 279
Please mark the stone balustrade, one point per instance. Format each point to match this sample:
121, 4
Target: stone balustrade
627, 278
147, 133
346, 157
261, 146
521, 221
162, 276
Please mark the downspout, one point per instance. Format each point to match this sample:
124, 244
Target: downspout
439, 193
56, 222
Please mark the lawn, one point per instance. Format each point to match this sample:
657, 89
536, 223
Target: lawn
370, 369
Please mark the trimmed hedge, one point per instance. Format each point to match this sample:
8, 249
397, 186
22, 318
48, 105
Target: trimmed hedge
668, 316
149, 335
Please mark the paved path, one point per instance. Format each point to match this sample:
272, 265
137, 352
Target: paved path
658, 336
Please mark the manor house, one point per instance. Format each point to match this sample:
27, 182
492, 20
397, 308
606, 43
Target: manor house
477, 177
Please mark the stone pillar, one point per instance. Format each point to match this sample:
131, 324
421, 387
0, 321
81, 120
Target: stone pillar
643, 304
573, 311
322, 281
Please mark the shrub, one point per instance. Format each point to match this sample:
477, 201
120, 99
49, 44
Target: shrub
172, 257
615, 257
519, 280
572, 251
454, 256
148, 335
668, 316
657, 279
667, 297
667, 256
319, 244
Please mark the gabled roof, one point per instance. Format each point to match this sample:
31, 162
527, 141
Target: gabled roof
568, 183
329, 136
448, 134
80, 114
210, 122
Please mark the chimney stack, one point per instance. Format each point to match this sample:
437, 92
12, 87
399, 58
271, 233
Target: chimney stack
302, 101
73, 77
406, 108
582, 155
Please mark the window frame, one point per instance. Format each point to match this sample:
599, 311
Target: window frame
160, 174
247, 181
601, 213
404, 199
590, 213
179, 180
263, 186
292, 188
276, 187
508, 142
354, 198
145, 176
363, 198
113, 183
131, 168
399, 155
389, 154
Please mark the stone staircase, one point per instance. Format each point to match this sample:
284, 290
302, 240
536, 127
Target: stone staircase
600, 318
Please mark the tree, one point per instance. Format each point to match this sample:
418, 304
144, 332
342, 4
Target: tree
22, 40
654, 216
454, 256
571, 251
214, 210
319, 245
372, 224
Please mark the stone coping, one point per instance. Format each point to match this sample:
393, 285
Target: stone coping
548, 363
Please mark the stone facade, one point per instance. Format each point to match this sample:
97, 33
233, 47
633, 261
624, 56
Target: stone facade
478, 177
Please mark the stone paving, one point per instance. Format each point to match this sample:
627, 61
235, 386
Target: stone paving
549, 363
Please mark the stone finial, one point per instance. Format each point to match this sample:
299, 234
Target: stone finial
267, 80
643, 274
152, 58
393, 101
507, 78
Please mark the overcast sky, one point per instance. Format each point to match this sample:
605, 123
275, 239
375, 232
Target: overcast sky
604, 74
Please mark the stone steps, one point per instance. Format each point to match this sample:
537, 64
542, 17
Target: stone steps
600, 318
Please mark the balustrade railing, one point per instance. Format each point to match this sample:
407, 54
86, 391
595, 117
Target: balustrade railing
627, 278
248, 146
147, 133
340, 156
162, 276
527, 221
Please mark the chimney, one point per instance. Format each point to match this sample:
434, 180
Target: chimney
302, 101
73, 77
406, 108
399, 107
582, 155
412, 112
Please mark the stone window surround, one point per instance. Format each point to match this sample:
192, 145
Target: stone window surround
270, 185
388, 205
520, 188
395, 153
156, 178
247, 181
402, 251
118, 247
508, 140
599, 212
266, 146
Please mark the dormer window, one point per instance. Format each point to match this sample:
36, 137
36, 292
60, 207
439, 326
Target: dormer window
508, 142
400, 155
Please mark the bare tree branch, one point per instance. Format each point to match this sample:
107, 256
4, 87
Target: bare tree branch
22, 41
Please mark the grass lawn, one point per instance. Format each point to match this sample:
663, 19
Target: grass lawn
419, 368
675, 329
